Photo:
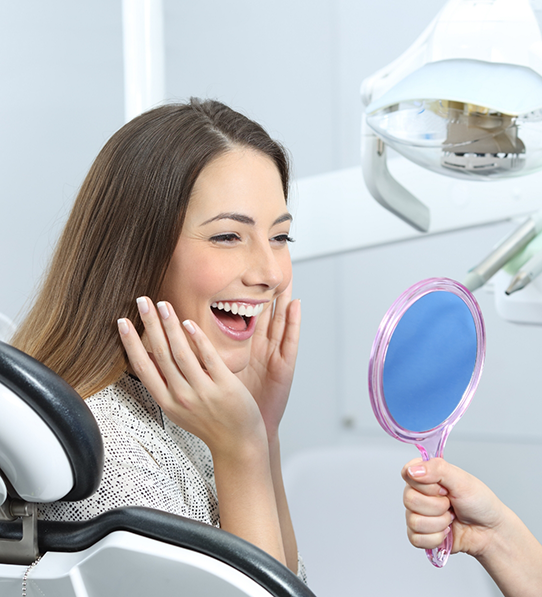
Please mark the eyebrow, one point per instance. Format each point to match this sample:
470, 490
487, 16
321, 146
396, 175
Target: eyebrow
236, 217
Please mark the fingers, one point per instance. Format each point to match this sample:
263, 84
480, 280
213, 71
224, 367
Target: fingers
436, 476
170, 369
425, 499
283, 322
290, 341
427, 533
425, 476
172, 351
178, 356
428, 518
276, 331
271, 321
428, 514
142, 364
208, 356
428, 505
162, 337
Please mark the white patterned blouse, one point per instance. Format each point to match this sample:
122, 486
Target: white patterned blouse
149, 461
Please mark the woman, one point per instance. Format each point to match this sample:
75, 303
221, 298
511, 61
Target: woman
185, 209
439, 496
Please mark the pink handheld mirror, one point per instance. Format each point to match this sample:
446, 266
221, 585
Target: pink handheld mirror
425, 365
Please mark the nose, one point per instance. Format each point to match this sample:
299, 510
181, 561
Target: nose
263, 266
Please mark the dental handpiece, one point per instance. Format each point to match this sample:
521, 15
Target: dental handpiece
513, 243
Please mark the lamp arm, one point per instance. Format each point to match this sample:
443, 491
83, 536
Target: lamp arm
384, 188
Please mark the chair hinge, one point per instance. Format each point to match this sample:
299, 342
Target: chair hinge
24, 550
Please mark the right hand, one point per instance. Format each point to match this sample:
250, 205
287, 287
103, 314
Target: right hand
438, 494
194, 388
270, 371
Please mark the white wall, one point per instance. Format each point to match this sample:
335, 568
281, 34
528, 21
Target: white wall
62, 97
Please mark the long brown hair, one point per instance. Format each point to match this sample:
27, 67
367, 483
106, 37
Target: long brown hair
121, 233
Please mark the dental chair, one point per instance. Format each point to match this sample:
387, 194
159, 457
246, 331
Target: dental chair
51, 449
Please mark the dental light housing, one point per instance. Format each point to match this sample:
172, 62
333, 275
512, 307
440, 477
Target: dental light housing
468, 134
464, 101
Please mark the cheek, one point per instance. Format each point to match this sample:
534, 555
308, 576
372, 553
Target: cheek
201, 277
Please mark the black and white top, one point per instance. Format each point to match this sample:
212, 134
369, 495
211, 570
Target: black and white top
149, 461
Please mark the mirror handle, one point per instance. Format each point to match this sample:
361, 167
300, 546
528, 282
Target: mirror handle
439, 556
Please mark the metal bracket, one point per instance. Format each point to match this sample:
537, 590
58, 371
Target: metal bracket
24, 550
384, 188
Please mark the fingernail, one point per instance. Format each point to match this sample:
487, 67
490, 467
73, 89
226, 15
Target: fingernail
142, 305
163, 310
189, 327
443, 491
123, 326
416, 471
447, 531
453, 516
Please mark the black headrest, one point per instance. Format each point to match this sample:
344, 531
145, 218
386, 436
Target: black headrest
64, 412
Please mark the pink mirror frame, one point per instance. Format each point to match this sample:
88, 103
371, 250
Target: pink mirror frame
430, 443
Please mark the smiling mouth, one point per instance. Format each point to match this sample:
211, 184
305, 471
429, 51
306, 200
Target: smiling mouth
236, 317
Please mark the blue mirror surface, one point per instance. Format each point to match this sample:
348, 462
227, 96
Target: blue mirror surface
430, 361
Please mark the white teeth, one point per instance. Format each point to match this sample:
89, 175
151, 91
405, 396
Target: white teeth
241, 309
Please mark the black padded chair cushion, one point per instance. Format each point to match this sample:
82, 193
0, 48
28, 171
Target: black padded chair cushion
172, 529
64, 411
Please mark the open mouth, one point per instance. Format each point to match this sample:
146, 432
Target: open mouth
236, 320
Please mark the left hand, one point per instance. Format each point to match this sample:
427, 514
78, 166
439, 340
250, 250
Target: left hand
270, 371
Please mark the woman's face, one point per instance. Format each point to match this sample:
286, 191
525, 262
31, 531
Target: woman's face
232, 258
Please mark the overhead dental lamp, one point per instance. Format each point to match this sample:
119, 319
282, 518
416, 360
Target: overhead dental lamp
465, 100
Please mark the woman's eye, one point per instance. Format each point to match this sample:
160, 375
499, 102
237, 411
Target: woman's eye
225, 238
283, 239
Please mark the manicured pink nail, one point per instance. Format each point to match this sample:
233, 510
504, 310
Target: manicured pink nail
142, 305
417, 471
163, 310
123, 326
189, 327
